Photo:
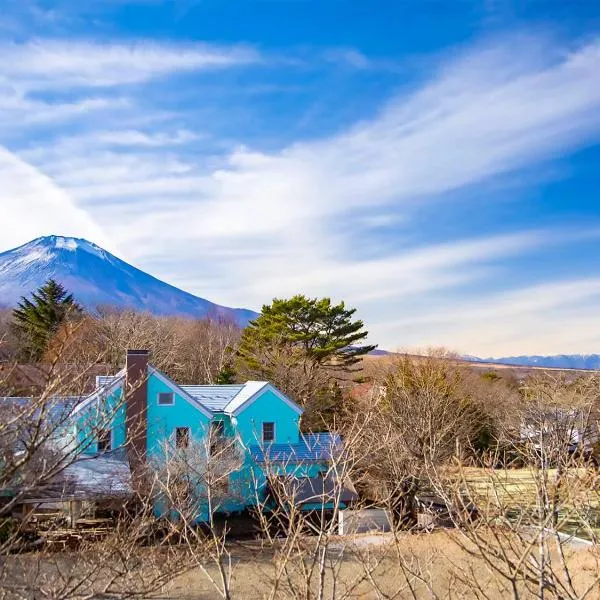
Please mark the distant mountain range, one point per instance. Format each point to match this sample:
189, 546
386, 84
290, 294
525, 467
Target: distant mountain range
559, 361
96, 277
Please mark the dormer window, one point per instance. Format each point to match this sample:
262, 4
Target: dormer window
268, 432
165, 399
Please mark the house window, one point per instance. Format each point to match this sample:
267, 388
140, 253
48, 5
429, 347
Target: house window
104, 442
165, 398
217, 433
182, 437
223, 486
268, 432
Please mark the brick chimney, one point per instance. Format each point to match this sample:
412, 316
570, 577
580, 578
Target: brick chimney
136, 393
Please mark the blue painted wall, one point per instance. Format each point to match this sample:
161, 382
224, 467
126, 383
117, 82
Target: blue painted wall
108, 413
268, 407
164, 419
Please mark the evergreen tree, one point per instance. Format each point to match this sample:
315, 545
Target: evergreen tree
316, 330
226, 375
37, 320
298, 345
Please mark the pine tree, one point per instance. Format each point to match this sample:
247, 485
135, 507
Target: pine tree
320, 332
36, 320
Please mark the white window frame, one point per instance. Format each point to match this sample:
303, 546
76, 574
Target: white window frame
189, 437
110, 441
165, 403
263, 432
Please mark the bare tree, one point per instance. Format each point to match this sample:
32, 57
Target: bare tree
207, 349
118, 330
525, 517
418, 416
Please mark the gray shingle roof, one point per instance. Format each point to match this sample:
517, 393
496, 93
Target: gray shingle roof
318, 447
214, 397
103, 380
58, 408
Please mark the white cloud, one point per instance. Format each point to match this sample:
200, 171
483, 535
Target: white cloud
250, 225
549, 318
348, 56
32, 205
56, 63
132, 137
19, 112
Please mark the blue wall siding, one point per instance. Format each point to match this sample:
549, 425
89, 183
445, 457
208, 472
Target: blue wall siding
108, 410
268, 407
162, 420
250, 482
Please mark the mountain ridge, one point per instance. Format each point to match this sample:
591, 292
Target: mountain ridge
556, 361
96, 277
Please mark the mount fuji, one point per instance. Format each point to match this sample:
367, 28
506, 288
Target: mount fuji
97, 278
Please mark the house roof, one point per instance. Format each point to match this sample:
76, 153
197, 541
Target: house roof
231, 399
105, 380
215, 397
316, 447
55, 409
105, 475
249, 390
317, 490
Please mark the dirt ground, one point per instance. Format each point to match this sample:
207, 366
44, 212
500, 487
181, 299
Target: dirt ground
364, 567
443, 570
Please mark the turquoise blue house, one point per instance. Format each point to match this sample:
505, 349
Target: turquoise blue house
233, 440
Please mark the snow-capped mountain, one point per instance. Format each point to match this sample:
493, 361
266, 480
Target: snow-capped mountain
96, 278
559, 361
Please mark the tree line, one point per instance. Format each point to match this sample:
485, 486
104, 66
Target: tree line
305, 346
414, 427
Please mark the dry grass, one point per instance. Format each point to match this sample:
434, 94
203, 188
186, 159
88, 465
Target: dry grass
436, 565
443, 569
517, 489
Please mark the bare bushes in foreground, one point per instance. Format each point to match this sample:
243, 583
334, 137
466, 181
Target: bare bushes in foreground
526, 517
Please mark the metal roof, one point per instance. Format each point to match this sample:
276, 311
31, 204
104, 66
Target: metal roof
214, 397
104, 380
316, 490
249, 389
317, 447
226, 398
101, 476
56, 408
105, 475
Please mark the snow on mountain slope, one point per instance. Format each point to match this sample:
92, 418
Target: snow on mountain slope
96, 278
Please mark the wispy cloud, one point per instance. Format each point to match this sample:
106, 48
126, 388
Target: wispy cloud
32, 205
133, 137
243, 226
56, 63
547, 318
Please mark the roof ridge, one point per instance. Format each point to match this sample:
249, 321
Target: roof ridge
211, 384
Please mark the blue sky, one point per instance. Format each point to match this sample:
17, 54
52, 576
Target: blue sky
433, 163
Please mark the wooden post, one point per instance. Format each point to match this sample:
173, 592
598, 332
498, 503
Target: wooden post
74, 512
